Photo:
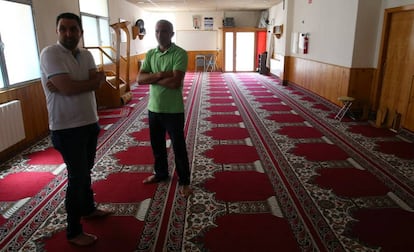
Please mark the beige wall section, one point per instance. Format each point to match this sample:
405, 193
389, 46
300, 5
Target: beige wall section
331, 28
45, 13
126, 11
278, 48
366, 34
244, 18
345, 37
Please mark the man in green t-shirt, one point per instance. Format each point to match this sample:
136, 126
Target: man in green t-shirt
164, 69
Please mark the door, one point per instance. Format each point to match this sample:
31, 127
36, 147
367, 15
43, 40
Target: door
240, 51
397, 92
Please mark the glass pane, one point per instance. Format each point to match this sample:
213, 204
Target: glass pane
1, 80
20, 48
91, 36
96, 7
90, 31
244, 51
229, 52
104, 32
105, 38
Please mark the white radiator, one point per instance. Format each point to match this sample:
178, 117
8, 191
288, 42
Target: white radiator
11, 124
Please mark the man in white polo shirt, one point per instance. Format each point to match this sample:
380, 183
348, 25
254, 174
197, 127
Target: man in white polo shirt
69, 78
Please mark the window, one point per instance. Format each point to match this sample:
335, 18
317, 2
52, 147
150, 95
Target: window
19, 55
95, 22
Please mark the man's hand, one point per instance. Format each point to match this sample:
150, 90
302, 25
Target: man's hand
101, 78
64, 85
51, 87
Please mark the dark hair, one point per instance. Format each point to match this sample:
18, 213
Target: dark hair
68, 15
168, 23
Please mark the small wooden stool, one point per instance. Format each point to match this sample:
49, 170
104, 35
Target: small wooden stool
347, 103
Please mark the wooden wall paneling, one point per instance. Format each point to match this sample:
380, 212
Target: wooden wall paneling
133, 69
285, 80
191, 59
360, 86
328, 81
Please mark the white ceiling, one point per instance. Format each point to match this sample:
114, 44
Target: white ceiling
204, 5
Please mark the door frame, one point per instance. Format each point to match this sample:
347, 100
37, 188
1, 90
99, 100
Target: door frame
377, 87
234, 30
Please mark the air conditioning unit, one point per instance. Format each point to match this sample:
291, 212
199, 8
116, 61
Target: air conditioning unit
228, 22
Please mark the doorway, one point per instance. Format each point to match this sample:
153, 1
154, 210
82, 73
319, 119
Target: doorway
396, 89
240, 50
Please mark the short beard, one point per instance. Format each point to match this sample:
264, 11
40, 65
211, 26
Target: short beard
70, 44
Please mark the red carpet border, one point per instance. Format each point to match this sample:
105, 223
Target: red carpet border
351, 158
271, 170
307, 158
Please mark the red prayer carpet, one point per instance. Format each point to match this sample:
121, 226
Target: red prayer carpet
271, 169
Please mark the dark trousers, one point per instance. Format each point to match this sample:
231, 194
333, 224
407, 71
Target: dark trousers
159, 124
78, 149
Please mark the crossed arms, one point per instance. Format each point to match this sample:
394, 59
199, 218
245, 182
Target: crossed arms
170, 79
63, 84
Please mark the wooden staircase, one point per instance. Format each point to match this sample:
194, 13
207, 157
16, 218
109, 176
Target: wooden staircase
116, 91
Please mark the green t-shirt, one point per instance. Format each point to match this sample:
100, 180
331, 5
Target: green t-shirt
162, 99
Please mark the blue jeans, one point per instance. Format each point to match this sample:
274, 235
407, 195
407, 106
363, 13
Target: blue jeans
78, 148
159, 125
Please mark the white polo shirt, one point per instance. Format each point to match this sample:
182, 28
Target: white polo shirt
68, 111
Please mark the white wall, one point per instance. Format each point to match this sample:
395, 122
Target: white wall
277, 17
366, 34
395, 3
244, 18
126, 11
331, 28
183, 24
184, 20
45, 13
345, 33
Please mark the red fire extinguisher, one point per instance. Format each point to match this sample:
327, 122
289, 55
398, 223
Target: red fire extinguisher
305, 44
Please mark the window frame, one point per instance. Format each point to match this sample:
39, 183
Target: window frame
3, 65
98, 19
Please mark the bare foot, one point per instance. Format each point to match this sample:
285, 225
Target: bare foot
83, 239
98, 213
152, 180
186, 190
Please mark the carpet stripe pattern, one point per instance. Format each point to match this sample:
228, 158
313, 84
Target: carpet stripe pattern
271, 170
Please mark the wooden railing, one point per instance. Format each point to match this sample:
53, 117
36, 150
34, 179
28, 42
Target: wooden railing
103, 53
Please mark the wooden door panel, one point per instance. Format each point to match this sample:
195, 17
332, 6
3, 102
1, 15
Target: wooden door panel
399, 67
409, 118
